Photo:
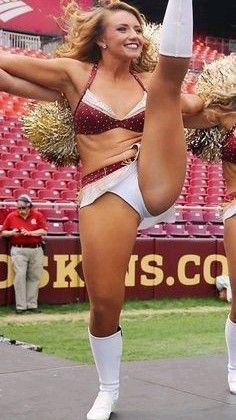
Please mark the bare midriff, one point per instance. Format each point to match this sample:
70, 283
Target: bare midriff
101, 150
229, 174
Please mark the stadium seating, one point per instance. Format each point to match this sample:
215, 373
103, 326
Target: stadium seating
27, 166
198, 230
72, 228
216, 230
41, 174
54, 215
214, 199
49, 195
35, 184
7, 182
71, 213
73, 185
212, 216
198, 182
56, 229
62, 176
18, 174
54, 184
68, 195
5, 193
195, 199
45, 166
6, 165
176, 230
29, 191
193, 216
157, 230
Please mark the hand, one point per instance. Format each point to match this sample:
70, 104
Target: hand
25, 232
16, 232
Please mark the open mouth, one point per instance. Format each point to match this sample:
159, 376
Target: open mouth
132, 46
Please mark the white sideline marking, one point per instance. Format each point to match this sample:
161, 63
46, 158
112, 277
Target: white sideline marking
84, 316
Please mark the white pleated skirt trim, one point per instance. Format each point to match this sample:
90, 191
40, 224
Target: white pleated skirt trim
124, 183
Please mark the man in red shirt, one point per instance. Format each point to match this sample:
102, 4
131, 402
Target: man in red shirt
25, 228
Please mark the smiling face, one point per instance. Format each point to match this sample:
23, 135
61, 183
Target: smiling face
122, 35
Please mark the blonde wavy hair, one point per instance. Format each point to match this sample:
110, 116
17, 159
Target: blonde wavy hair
83, 29
216, 84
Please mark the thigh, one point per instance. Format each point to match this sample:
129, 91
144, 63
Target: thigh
162, 160
19, 260
230, 250
35, 265
108, 230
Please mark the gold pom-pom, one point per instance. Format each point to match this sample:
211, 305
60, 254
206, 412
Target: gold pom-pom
152, 32
49, 127
217, 82
206, 144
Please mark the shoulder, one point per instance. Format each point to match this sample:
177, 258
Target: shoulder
12, 214
78, 73
191, 103
36, 213
72, 64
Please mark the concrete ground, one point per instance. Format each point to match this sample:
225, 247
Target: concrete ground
35, 386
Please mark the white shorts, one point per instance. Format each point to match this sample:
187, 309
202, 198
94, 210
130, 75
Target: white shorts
229, 210
124, 183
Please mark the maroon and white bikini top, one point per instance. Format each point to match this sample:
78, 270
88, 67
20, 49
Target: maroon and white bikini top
93, 116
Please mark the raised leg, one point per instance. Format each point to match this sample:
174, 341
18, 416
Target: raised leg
162, 162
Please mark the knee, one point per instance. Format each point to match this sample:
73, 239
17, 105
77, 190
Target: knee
104, 308
105, 315
157, 205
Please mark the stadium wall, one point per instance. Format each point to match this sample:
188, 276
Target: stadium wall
159, 268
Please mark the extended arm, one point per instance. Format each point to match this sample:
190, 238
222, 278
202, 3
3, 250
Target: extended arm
65, 75
20, 87
52, 73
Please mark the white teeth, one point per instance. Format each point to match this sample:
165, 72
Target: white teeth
133, 46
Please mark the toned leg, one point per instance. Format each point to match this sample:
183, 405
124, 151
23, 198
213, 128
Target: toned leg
230, 250
162, 162
108, 232
230, 329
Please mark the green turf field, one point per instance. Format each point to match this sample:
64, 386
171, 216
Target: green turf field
151, 329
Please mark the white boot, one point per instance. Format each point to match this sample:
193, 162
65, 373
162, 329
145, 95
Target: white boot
107, 353
177, 29
230, 336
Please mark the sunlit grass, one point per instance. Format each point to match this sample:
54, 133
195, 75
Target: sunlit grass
146, 337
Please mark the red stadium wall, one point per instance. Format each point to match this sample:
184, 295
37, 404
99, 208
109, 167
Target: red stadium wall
33, 16
158, 268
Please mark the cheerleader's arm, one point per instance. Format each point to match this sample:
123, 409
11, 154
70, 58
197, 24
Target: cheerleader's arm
19, 87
